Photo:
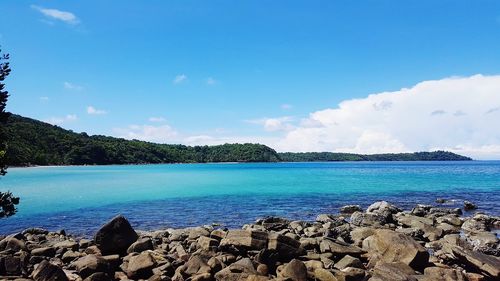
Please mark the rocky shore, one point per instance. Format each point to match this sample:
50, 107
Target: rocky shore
381, 243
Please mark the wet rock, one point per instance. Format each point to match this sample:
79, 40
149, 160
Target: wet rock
389, 246
141, 245
273, 223
349, 209
115, 236
46, 271
484, 242
469, 206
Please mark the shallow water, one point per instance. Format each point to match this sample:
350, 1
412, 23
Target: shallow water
80, 199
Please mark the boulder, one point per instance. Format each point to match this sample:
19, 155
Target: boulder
44, 251
322, 274
337, 247
246, 239
383, 207
115, 236
67, 244
469, 206
368, 219
12, 244
141, 266
12, 265
442, 274
394, 271
390, 246
141, 245
486, 264
349, 209
87, 265
295, 270
98, 276
286, 247
46, 271
207, 243
349, 261
236, 271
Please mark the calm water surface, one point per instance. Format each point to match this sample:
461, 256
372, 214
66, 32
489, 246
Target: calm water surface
80, 199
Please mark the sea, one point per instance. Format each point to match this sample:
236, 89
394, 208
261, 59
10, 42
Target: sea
79, 199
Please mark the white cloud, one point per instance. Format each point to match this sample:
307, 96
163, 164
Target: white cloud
274, 124
93, 111
71, 86
180, 79
61, 120
286, 106
156, 119
211, 81
159, 134
414, 119
55, 14
44, 99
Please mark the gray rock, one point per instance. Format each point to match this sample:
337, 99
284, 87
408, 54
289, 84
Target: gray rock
247, 239
45, 251
395, 271
115, 236
468, 206
98, 276
446, 274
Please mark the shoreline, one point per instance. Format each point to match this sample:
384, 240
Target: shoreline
277, 162
382, 242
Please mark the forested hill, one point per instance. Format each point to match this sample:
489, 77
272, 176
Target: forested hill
332, 156
32, 142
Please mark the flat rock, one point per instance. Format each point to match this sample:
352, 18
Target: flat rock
295, 270
141, 245
390, 246
248, 239
486, 264
90, 264
394, 271
339, 247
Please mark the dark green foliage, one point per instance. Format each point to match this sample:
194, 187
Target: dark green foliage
7, 201
331, 156
4, 95
36, 143
8, 204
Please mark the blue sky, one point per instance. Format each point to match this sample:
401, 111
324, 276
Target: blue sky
206, 72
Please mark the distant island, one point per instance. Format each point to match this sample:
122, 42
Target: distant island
32, 142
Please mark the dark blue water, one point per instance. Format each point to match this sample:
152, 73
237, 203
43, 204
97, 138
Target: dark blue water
80, 199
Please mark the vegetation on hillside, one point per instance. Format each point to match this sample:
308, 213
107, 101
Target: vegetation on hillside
8, 201
332, 156
36, 143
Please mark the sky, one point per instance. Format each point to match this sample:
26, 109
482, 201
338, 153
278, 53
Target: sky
342, 76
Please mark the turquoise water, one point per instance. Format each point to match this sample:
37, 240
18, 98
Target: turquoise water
79, 199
